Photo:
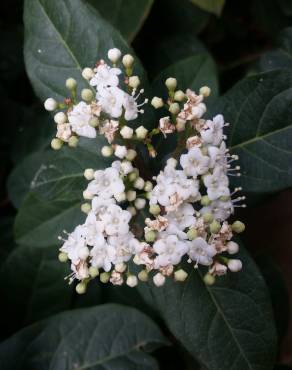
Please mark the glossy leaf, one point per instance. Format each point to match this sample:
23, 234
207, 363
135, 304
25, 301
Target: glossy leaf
212, 6
259, 109
127, 16
109, 336
225, 326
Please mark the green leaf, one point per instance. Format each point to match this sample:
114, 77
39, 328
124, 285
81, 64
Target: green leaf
127, 16
54, 196
225, 326
61, 38
282, 56
33, 284
259, 110
109, 336
212, 6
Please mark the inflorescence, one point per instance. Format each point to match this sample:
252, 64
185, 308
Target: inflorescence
188, 203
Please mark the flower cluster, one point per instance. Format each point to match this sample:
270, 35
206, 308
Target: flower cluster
189, 202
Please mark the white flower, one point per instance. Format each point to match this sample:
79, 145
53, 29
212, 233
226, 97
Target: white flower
79, 118
106, 183
217, 184
116, 220
64, 131
111, 101
125, 247
108, 129
165, 126
75, 243
221, 210
94, 229
120, 151
169, 251
105, 76
183, 217
218, 156
212, 132
201, 252
100, 205
194, 162
131, 107
101, 255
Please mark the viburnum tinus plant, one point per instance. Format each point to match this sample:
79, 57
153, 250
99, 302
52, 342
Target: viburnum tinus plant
186, 207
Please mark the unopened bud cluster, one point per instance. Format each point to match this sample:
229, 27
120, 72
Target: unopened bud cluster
189, 201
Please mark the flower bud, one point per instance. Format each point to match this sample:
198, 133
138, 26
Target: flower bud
140, 203
63, 257
132, 281
87, 95
73, 141
150, 236
133, 176
171, 83
120, 151
179, 96
180, 125
141, 132
180, 275
205, 201
208, 217
104, 277
121, 197
86, 208
93, 271
81, 288
126, 167
83, 253
89, 174
232, 247
154, 209
132, 210
174, 108
172, 162
131, 154
148, 186
120, 267
56, 144
159, 279
209, 279
205, 91
238, 227
134, 82
139, 183
87, 73
128, 60
131, 195
234, 265
214, 227
192, 233
71, 83
157, 102
127, 132
87, 194
107, 151
143, 275
94, 122
50, 104
60, 118
114, 55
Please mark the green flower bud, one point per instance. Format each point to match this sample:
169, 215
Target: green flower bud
157, 102
56, 144
104, 277
179, 96
154, 209
133, 176
192, 233
171, 83
71, 83
174, 108
87, 95
238, 227
180, 275
215, 227
150, 236
205, 201
128, 60
107, 151
205, 91
93, 271
81, 288
86, 208
209, 279
63, 257
94, 122
208, 217
73, 141
143, 275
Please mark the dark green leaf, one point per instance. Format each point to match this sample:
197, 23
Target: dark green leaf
127, 16
259, 109
225, 326
212, 6
32, 282
109, 336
